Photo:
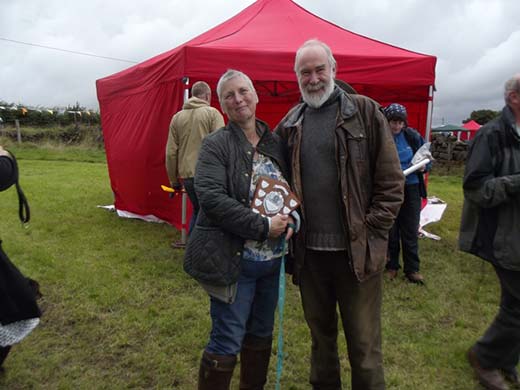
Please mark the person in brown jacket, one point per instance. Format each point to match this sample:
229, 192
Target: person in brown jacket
346, 172
187, 129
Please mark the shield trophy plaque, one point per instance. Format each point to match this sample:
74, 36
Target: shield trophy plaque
273, 197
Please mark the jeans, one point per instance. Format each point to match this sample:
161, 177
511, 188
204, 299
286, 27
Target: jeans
190, 190
405, 230
499, 347
327, 282
252, 312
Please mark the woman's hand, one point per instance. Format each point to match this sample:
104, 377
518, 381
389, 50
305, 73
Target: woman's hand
278, 225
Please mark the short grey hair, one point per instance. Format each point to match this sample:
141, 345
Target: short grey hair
199, 89
315, 42
512, 85
231, 74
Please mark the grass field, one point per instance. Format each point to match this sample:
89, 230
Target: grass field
120, 313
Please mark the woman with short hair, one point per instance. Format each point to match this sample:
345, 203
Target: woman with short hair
234, 252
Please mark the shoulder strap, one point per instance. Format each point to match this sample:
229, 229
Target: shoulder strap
410, 137
24, 213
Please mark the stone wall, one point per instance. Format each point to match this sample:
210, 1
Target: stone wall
446, 149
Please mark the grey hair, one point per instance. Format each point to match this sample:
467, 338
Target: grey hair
200, 88
511, 85
315, 42
231, 74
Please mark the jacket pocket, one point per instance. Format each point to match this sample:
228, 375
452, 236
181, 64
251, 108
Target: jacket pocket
357, 146
357, 153
506, 245
213, 256
377, 247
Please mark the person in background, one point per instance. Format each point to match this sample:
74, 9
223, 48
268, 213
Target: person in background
233, 252
490, 229
188, 127
19, 313
406, 225
345, 171
7, 170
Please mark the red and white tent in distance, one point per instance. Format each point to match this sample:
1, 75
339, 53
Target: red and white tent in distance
473, 127
137, 103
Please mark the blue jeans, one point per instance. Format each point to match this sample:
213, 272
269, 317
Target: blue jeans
252, 312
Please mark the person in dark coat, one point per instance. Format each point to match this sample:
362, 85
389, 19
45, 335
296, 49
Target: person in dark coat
490, 229
19, 313
233, 252
406, 226
7, 171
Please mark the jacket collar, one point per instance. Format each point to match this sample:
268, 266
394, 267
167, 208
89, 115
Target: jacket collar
510, 121
261, 128
347, 109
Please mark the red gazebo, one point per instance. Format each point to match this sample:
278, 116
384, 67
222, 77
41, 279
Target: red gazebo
137, 103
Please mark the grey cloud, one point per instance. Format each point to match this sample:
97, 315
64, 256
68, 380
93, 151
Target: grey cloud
475, 41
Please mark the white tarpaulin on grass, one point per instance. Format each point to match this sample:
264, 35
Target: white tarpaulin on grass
432, 212
127, 214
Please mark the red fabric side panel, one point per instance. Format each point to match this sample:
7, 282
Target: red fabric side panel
135, 129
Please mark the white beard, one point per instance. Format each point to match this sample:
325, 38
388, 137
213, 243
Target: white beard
314, 99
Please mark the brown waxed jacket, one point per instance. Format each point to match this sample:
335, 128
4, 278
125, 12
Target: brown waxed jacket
372, 182
188, 128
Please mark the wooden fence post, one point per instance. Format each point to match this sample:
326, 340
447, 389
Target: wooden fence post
18, 133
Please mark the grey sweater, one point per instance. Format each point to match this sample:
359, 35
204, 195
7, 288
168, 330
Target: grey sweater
320, 178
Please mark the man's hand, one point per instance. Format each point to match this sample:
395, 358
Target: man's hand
291, 226
278, 225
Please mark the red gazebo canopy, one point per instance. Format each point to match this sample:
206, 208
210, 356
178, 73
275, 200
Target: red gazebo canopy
471, 125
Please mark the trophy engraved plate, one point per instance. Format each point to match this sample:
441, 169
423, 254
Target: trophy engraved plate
273, 197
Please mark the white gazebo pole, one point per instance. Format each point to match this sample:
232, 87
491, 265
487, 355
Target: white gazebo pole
182, 243
430, 113
184, 195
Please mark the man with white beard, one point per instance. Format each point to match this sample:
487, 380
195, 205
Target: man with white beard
346, 172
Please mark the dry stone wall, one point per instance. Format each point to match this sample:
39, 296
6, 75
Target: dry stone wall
447, 149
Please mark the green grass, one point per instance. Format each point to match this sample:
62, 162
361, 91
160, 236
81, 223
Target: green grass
50, 150
119, 312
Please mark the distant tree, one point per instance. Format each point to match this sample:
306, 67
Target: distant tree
76, 107
42, 116
482, 116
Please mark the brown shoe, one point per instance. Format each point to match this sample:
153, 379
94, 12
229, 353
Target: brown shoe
391, 274
415, 277
491, 379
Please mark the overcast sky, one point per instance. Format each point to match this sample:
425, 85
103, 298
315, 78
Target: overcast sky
476, 42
